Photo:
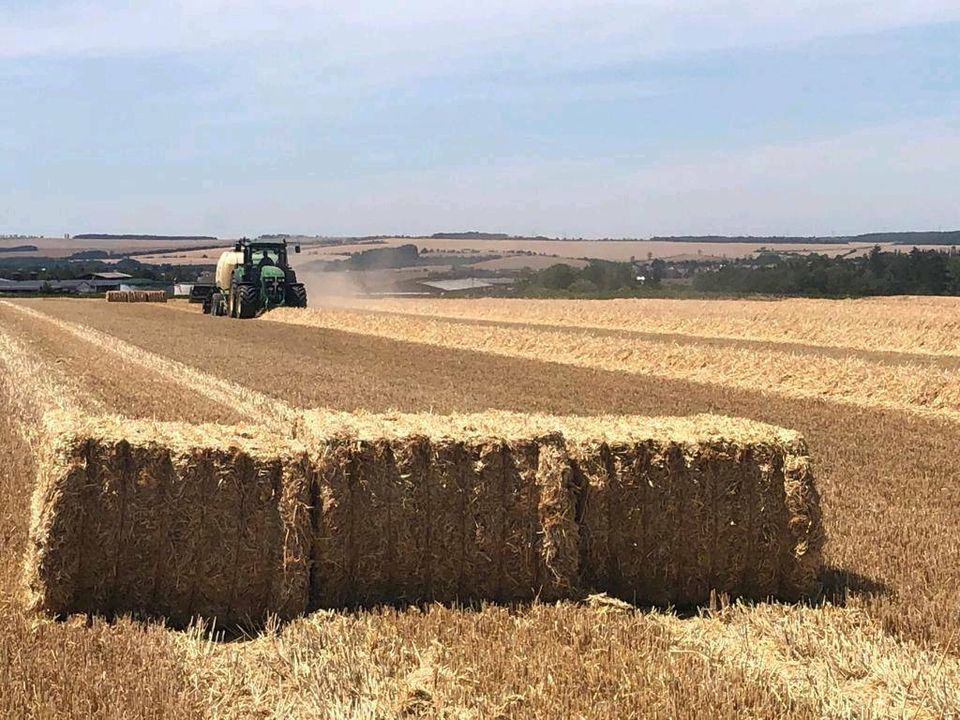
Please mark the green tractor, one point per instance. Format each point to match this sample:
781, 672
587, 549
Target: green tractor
254, 277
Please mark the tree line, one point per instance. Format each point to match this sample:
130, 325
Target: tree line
878, 273
917, 272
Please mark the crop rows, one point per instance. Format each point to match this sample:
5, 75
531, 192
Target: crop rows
850, 380
927, 325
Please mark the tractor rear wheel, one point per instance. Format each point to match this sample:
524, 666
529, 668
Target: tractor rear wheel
247, 304
297, 296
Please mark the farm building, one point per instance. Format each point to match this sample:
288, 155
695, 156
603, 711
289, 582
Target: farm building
76, 287
91, 284
111, 276
465, 286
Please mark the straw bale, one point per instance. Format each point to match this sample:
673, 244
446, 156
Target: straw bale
485, 517
290, 582
390, 526
52, 565
149, 475
175, 520
374, 494
647, 539
181, 513
414, 516
669, 523
451, 477
770, 517
558, 566
417, 507
129, 296
593, 467
334, 560
806, 534
102, 498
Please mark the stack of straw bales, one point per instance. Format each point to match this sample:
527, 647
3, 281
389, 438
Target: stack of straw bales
131, 296
183, 521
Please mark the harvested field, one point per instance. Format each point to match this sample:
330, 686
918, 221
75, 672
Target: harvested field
850, 380
885, 646
77, 373
600, 659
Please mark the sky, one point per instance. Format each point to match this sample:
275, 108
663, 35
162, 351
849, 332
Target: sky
575, 118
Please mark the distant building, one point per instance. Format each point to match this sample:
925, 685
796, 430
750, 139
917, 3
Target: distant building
76, 287
85, 286
109, 276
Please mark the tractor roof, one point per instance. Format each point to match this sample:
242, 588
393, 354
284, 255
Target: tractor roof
271, 244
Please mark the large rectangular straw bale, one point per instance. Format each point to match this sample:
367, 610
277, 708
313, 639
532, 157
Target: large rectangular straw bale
424, 508
390, 523
169, 519
674, 509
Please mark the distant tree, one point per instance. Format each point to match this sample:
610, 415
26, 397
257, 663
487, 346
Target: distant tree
657, 270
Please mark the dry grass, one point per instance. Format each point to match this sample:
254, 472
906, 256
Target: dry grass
922, 325
600, 659
890, 506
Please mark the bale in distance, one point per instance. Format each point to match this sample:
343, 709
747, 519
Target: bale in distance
131, 296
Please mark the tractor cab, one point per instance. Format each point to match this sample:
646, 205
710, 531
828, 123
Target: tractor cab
259, 254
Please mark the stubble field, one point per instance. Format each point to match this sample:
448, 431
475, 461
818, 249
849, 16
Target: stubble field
873, 386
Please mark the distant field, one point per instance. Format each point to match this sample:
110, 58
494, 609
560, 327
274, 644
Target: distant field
547, 251
62, 247
621, 249
186, 252
872, 385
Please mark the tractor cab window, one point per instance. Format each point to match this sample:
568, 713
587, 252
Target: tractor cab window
263, 258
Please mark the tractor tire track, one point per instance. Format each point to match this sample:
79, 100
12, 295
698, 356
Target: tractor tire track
256, 407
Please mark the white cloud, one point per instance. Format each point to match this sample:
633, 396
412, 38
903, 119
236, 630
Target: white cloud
427, 31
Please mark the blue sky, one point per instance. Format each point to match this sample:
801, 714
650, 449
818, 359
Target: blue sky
571, 117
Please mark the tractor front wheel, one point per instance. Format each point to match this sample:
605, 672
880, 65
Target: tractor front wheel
247, 304
297, 296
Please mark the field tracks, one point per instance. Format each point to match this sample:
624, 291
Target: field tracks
259, 408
